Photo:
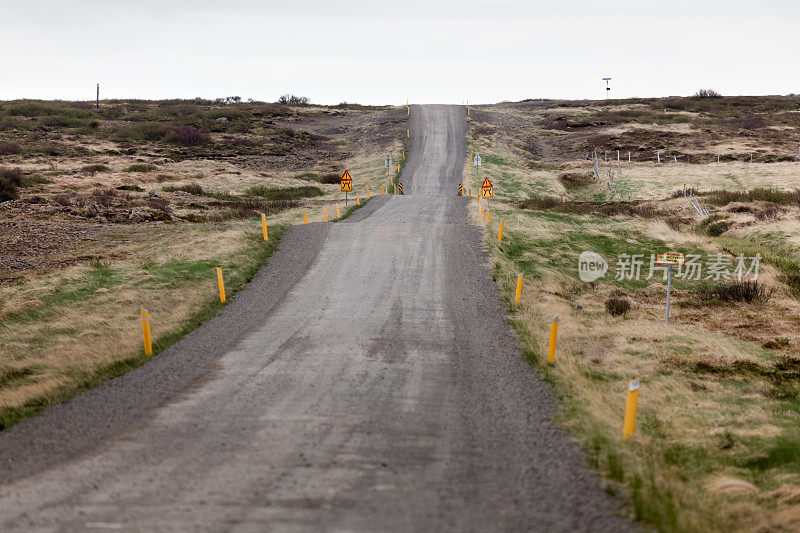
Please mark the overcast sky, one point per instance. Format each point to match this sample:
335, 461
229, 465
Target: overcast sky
377, 52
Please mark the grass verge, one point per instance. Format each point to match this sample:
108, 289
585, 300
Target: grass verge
171, 277
716, 442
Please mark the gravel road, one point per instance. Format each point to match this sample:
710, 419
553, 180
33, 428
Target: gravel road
366, 381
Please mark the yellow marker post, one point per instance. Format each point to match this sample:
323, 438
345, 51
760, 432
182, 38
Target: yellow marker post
404, 155
368, 193
551, 350
148, 344
398, 168
470, 193
500, 233
264, 226
479, 198
358, 200
629, 425
325, 214
408, 133
395, 190
305, 218
338, 213
467, 110
490, 215
518, 294
484, 215
221, 285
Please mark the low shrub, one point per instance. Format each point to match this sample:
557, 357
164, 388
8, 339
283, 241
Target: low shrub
104, 197
159, 204
738, 291
715, 229
130, 188
792, 280
63, 199
91, 169
10, 181
34, 179
9, 148
598, 208
723, 197
769, 212
618, 306
141, 131
187, 136
13, 175
573, 180
329, 178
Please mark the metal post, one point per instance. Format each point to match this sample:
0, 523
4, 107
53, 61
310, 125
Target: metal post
669, 287
98, 96
345, 198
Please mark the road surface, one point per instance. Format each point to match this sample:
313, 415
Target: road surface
369, 382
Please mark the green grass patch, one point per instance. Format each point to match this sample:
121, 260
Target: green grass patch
70, 291
285, 193
140, 167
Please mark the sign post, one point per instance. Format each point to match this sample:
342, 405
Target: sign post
670, 260
347, 185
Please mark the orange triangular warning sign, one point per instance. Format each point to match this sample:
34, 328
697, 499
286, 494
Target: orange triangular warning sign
486, 184
346, 182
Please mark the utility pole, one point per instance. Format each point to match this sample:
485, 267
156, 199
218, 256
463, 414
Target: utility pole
98, 97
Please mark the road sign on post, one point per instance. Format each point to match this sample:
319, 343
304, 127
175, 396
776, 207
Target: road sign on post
347, 185
487, 189
670, 260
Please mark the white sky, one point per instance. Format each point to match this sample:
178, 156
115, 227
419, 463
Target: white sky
376, 52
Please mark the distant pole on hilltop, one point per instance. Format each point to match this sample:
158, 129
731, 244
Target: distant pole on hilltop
98, 97
607, 87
